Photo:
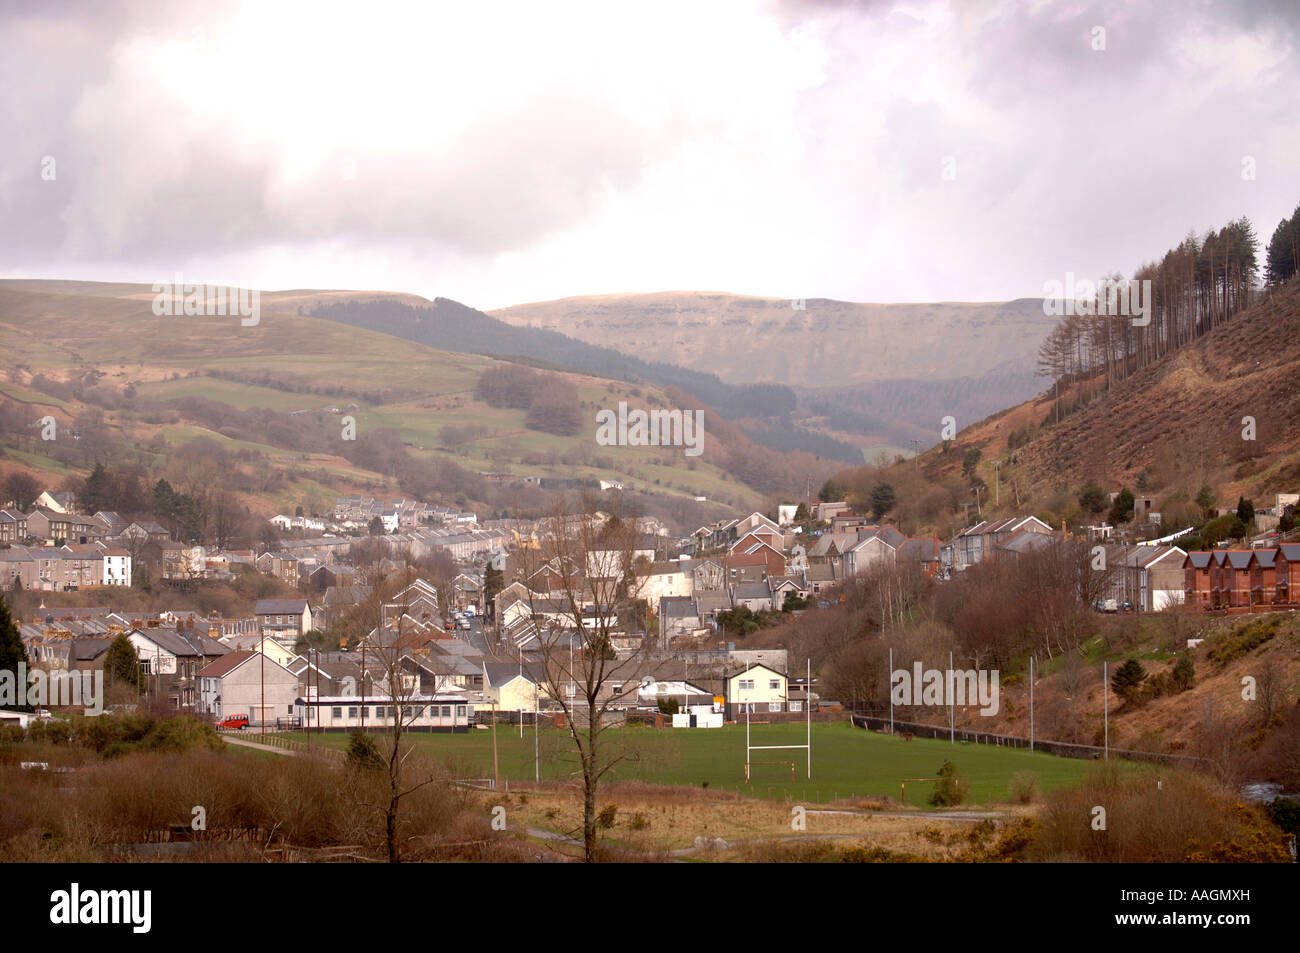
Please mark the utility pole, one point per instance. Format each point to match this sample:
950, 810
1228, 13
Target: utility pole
997, 484
978, 510
916, 455
952, 704
496, 770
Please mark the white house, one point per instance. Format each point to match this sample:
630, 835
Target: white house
117, 565
759, 688
665, 580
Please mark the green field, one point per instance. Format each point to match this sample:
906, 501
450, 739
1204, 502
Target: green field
846, 760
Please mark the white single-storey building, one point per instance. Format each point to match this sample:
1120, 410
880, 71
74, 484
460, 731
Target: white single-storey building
447, 712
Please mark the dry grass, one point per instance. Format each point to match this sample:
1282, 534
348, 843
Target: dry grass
654, 821
264, 809
1155, 816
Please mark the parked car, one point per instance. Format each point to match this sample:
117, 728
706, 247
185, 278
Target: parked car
234, 722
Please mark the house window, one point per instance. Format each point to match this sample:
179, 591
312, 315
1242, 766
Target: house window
746, 684
796, 706
460, 711
773, 706
774, 684
336, 712
352, 711
379, 711
290, 711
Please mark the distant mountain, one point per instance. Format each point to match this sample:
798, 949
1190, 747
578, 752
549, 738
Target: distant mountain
897, 363
451, 326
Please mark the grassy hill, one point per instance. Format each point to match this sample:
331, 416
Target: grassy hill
90, 351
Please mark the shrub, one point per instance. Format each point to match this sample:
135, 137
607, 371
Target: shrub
607, 817
1153, 817
952, 788
1184, 673
363, 752
1024, 787
1244, 640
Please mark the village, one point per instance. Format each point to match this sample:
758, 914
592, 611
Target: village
469, 648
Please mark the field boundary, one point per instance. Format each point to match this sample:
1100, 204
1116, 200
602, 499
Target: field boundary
1062, 749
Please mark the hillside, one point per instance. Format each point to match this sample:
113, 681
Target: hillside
1169, 429
764, 409
123, 382
892, 362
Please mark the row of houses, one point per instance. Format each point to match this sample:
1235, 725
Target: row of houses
64, 568
48, 527
1243, 578
357, 512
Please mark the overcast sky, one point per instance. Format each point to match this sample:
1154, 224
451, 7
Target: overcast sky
498, 153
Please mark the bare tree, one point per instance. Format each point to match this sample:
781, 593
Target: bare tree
386, 651
593, 579
1270, 690
1220, 740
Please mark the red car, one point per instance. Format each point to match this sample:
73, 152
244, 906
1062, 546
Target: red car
239, 722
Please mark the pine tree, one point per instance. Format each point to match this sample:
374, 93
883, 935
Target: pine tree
1245, 511
96, 493
12, 651
122, 664
1121, 511
1127, 680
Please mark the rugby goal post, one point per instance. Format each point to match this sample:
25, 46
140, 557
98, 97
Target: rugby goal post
750, 747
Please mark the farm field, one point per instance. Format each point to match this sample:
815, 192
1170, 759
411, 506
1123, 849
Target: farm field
847, 761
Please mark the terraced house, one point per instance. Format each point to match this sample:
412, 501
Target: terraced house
1242, 579
13, 526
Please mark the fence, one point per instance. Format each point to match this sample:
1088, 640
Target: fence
288, 744
1060, 748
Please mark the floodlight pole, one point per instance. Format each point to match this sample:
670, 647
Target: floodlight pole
952, 703
891, 690
807, 705
1031, 703
1105, 694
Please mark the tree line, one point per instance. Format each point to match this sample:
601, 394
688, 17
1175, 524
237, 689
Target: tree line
1196, 287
